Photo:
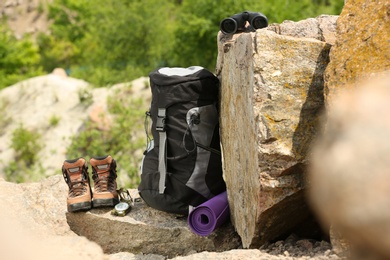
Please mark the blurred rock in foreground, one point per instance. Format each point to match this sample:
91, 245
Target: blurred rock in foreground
350, 172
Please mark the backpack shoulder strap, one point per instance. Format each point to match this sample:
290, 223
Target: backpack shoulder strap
162, 158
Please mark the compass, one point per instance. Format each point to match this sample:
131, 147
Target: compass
121, 209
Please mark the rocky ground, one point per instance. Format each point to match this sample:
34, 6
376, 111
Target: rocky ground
299, 248
46, 231
292, 248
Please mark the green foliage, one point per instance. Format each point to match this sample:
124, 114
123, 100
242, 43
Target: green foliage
57, 52
54, 120
19, 59
121, 140
26, 166
26, 145
19, 172
106, 44
63, 48
121, 40
198, 23
4, 118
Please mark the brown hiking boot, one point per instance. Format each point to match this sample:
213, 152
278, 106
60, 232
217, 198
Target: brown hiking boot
104, 178
75, 173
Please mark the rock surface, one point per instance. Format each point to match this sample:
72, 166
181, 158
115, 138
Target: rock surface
37, 212
322, 28
271, 98
350, 169
33, 217
362, 46
148, 231
26, 16
33, 223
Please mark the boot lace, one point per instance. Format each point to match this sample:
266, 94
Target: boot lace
104, 183
76, 188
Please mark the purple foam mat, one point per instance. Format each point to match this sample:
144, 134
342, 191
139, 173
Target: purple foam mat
205, 218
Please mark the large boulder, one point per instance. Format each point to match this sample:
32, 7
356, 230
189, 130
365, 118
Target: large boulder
362, 46
271, 98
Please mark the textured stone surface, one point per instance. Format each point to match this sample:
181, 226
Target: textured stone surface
340, 245
26, 17
271, 97
350, 168
322, 28
362, 46
148, 231
233, 254
33, 223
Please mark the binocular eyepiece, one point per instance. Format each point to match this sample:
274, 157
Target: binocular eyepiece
237, 22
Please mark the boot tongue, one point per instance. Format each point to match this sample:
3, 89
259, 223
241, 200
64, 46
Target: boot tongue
75, 174
103, 169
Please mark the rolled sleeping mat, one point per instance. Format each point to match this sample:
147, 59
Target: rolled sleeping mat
205, 218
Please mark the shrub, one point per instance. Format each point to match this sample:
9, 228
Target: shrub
26, 166
54, 120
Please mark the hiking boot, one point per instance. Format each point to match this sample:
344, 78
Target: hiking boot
104, 178
75, 173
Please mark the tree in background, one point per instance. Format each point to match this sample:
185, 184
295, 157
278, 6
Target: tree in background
19, 59
115, 42
120, 40
62, 47
198, 23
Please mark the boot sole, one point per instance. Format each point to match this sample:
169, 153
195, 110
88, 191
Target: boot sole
105, 202
82, 206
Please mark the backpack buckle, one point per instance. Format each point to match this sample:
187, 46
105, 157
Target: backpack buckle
160, 123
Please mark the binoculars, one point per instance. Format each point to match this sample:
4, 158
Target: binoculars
237, 22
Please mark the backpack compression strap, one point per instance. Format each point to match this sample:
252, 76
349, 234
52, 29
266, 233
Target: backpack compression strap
162, 163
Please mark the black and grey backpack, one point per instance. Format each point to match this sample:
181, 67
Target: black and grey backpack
182, 165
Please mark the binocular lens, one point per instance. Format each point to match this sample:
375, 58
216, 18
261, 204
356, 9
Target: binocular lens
259, 22
238, 22
228, 26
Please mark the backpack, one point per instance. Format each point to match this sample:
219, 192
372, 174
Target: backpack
182, 165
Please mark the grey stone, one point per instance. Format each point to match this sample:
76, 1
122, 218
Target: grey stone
271, 98
322, 28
